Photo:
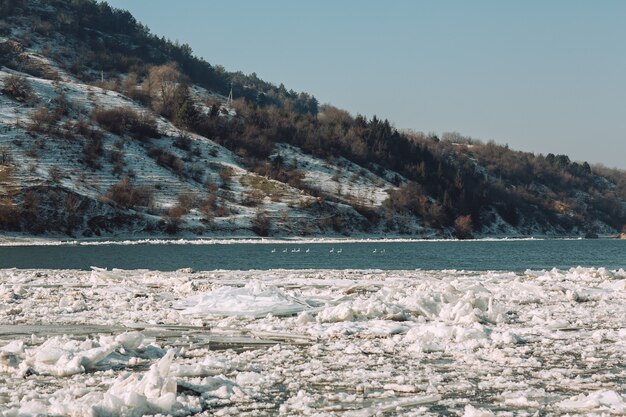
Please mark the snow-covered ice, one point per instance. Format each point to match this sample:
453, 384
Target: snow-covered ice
254, 299
312, 342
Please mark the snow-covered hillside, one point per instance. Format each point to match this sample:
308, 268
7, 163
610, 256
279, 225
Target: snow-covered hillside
109, 131
54, 160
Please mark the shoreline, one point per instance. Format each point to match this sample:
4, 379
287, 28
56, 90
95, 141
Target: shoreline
9, 241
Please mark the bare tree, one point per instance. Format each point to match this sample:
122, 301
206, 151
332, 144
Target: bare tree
161, 83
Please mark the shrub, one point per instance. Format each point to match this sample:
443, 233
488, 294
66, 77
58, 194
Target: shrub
188, 201
139, 95
37, 68
62, 103
143, 126
92, 151
292, 176
261, 224
221, 211
42, 120
226, 174
252, 198
182, 142
134, 91
463, 227
172, 225
17, 87
9, 50
120, 120
126, 195
176, 212
167, 159
83, 128
112, 120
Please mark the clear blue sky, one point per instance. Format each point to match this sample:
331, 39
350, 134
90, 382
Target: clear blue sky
542, 76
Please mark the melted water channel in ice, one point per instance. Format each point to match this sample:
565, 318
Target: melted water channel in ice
355, 343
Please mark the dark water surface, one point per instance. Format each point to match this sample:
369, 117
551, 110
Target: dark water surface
512, 255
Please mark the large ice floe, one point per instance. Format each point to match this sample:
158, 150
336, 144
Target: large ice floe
312, 343
255, 299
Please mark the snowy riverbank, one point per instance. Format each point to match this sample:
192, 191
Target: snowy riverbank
31, 241
60, 240
312, 342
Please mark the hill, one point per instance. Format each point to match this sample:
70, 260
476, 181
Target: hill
108, 130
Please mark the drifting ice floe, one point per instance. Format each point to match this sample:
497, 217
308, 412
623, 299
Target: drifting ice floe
353, 343
606, 401
254, 299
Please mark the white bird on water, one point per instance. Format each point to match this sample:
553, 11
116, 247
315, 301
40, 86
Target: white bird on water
307, 250
332, 250
285, 250
374, 251
274, 250
340, 250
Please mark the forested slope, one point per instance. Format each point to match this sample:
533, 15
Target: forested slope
106, 129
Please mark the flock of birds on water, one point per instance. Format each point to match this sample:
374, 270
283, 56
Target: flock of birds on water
307, 250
